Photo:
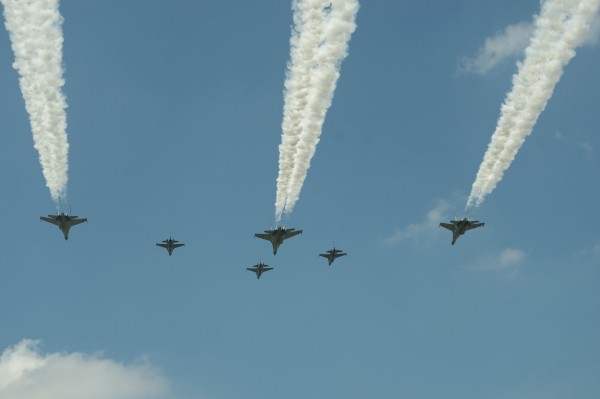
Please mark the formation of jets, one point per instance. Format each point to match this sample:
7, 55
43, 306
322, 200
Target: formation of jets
459, 227
275, 237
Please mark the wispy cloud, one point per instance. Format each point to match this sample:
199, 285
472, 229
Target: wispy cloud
595, 251
423, 231
509, 43
509, 260
26, 373
505, 44
580, 145
586, 147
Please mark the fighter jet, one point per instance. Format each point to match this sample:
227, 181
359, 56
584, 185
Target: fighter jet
170, 245
259, 269
277, 236
332, 254
64, 222
459, 227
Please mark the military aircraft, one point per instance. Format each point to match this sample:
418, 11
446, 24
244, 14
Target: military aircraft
332, 254
459, 227
259, 269
64, 222
170, 245
277, 236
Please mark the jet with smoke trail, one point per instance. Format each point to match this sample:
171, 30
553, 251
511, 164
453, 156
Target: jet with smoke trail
319, 43
36, 37
560, 28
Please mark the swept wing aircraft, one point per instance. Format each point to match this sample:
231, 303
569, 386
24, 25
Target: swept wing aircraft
259, 269
170, 245
64, 222
277, 236
332, 254
459, 227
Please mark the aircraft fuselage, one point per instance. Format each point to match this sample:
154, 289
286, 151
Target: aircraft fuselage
276, 241
461, 228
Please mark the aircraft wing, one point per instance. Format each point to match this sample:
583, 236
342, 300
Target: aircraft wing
75, 221
324, 255
266, 269
474, 226
162, 245
292, 233
448, 226
340, 254
49, 220
177, 245
263, 236
252, 269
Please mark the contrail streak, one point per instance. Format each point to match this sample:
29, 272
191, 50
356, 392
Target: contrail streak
319, 43
559, 29
36, 36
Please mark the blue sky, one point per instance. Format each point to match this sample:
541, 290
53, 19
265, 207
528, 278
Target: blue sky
174, 123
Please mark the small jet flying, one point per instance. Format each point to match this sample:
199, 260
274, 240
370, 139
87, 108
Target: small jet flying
277, 236
459, 227
64, 222
259, 269
332, 254
170, 245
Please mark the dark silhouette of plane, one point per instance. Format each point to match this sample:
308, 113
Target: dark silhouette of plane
277, 236
64, 222
259, 269
459, 227
170, 245
332, 254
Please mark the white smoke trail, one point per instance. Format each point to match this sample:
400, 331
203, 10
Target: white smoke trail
560, 28
306, 33
36, 36
319, 43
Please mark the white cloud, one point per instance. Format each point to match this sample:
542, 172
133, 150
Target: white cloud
420, 232
510, 257
596, 249
509, 260
506, 44
510, 43
26, 373
587, 148
584, 146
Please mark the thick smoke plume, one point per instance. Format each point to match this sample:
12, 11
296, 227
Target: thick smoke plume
319, 43
560, 28
36, 36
